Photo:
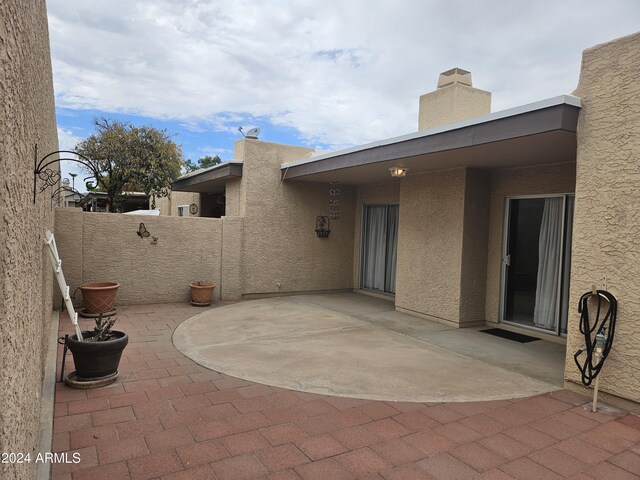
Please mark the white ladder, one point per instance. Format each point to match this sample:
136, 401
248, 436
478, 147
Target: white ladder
64, 288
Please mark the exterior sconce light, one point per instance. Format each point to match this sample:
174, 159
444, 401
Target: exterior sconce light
322, 226
398, 172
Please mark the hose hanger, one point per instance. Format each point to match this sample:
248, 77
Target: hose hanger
598, 336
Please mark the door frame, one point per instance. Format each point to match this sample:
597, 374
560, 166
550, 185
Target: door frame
504, 252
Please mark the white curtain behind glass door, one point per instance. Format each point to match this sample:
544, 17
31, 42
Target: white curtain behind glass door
549, 258
374, 255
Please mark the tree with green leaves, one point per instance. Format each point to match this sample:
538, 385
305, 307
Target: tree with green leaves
204, 162
130, 158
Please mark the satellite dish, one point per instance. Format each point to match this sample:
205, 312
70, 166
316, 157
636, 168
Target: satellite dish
252, 134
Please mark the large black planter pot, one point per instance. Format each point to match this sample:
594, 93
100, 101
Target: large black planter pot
97, 359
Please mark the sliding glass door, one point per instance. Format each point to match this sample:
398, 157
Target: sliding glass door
379, 248
536, 262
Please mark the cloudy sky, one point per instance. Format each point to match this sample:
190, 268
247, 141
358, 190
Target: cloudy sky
321, 73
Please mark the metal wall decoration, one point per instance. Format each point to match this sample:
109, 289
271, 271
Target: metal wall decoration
143, 233
334, 201
49, 177
59, 194
322, 226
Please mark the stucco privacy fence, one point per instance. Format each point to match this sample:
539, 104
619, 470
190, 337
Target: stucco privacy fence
156, 269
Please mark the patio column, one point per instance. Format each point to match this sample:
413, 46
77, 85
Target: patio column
442, 246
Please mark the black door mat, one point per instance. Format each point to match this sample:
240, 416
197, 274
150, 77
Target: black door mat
516, 337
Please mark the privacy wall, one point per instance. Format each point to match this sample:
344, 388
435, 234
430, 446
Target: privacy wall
27, 117
606, 246
101, 247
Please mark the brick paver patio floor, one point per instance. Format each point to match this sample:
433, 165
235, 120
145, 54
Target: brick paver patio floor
166, 417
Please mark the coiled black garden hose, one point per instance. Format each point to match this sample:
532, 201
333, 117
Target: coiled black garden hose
604, 331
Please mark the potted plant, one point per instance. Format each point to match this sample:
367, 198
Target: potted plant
97, 356
201, 293
99, 298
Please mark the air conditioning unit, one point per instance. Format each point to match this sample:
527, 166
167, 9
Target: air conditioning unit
183, 210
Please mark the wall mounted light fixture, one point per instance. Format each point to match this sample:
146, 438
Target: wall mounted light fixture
398, 172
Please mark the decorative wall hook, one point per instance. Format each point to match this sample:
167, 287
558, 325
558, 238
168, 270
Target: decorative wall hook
51, 178
322, 226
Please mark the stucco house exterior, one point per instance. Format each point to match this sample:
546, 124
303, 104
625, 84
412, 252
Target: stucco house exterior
500, 218
446, 242
27, 117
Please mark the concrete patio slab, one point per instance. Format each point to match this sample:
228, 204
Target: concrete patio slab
356, 346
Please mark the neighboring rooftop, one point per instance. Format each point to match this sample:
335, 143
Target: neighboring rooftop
210, 179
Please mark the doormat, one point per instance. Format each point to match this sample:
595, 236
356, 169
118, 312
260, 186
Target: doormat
516, 337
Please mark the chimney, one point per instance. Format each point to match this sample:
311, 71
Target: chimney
454, 100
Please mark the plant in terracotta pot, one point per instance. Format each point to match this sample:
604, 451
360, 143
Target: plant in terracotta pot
98, 298
97, 356
201, 293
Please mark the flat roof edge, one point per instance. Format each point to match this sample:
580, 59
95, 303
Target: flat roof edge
216, 174
202, 171
570, 100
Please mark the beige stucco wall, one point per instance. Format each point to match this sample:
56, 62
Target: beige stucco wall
281, 252
232, 197
232, 267
536, 180
606, 240
27, 117
101, 247
376, 194
169, 205
430, 244
474, 247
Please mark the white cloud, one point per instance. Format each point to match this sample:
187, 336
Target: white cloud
213, 151
340, 72
67, 140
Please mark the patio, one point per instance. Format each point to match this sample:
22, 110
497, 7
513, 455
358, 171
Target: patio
168, 417
358, 346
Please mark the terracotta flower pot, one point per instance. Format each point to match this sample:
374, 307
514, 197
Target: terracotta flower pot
201, 293
99, 297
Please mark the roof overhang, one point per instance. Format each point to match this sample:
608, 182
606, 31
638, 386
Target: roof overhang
210, 180
539, 133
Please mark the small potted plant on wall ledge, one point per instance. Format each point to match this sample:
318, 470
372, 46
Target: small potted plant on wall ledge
201, 293
97, 356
